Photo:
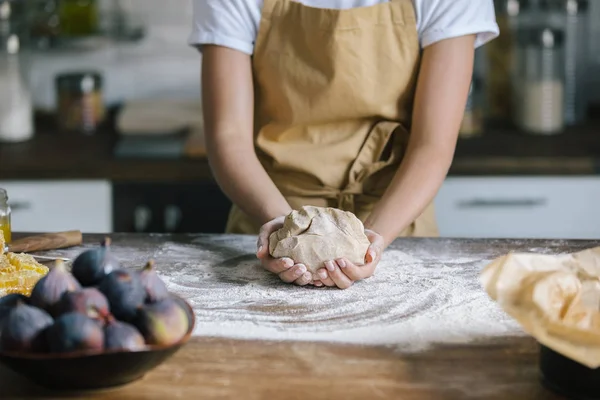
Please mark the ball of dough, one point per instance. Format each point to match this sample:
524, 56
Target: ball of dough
313, 235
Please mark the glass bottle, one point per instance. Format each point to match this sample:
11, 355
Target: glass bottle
5, 212
472, 122
539, 80
572, 17
16, 109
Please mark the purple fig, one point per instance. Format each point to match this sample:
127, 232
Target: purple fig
24, 328
155, 288
120, 335
75, 332
49, 289
162, 323
124, 292
12, 299
90, 267
89, 301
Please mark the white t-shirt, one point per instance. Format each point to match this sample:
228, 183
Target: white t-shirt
234, 23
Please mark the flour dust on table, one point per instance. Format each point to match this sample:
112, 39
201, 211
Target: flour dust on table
415, 299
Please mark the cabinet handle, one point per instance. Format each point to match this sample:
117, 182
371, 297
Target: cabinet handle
20, 205
501, 203
141, 218
172, 218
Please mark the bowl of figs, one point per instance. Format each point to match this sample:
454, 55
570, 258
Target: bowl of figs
94, 326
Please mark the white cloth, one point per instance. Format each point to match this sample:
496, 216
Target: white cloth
234, 23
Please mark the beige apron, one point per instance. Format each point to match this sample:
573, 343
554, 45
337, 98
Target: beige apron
334, 92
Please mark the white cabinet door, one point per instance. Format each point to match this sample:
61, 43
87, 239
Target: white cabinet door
51, 206
520, 207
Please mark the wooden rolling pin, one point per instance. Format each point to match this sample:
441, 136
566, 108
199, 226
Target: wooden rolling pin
47, 241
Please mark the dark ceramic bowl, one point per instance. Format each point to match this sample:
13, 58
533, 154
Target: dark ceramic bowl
85, 371
567, 377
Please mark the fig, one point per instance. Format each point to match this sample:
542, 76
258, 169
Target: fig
124, 292
24, 328
90, 267
48, 290
75, 331
11, 300
120, 335
89, 301
8, 302
155, 288
162, 323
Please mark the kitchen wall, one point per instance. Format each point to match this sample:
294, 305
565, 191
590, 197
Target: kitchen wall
164, 65
161, 65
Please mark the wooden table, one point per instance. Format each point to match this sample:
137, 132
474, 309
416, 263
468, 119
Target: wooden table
211, 368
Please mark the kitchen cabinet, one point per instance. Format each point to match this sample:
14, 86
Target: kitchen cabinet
195, 207
519, 207
57, 205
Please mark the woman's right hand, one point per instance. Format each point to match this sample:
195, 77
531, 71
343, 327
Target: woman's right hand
285, 268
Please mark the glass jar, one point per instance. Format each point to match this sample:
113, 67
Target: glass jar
572, 17
539, 80
501, 56
80, 102
5, 212
78, 17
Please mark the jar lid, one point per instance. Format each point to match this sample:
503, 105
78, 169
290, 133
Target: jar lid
543, 37
79, 82
570, 7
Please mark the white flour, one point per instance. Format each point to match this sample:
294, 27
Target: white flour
411, 302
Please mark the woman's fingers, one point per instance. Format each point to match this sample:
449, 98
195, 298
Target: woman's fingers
335, 273
375, 248
262, 244
355, 272
304, 280
277, 265
290, 275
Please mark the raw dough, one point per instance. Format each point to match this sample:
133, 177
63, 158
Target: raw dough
313, 235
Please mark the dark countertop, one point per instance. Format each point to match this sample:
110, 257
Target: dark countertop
219, 276
497, 152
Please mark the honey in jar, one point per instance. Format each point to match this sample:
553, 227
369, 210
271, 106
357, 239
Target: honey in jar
5, 216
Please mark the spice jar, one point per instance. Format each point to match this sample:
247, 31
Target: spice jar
539, 80
5, 216
80, 102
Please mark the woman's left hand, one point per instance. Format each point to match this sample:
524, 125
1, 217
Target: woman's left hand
342, 273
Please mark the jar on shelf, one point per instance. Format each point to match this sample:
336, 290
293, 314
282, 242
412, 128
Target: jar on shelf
5, 212
501, 57
80, 102
572, 16
539, 81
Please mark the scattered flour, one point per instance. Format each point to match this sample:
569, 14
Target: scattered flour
413, 300
410, 302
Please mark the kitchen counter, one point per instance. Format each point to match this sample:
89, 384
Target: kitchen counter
421, 328
498, 152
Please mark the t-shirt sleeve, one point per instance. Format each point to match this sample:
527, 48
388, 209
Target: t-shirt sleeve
229, 23
444, 19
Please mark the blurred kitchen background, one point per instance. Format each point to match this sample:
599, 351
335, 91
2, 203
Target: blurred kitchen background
101, 125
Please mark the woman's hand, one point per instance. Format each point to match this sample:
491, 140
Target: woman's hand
342, 273
285, 268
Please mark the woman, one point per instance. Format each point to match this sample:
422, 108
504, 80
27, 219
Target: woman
310, 102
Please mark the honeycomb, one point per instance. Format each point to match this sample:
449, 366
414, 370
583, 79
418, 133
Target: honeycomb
18, 272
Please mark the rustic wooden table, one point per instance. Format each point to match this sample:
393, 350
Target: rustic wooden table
502, 367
